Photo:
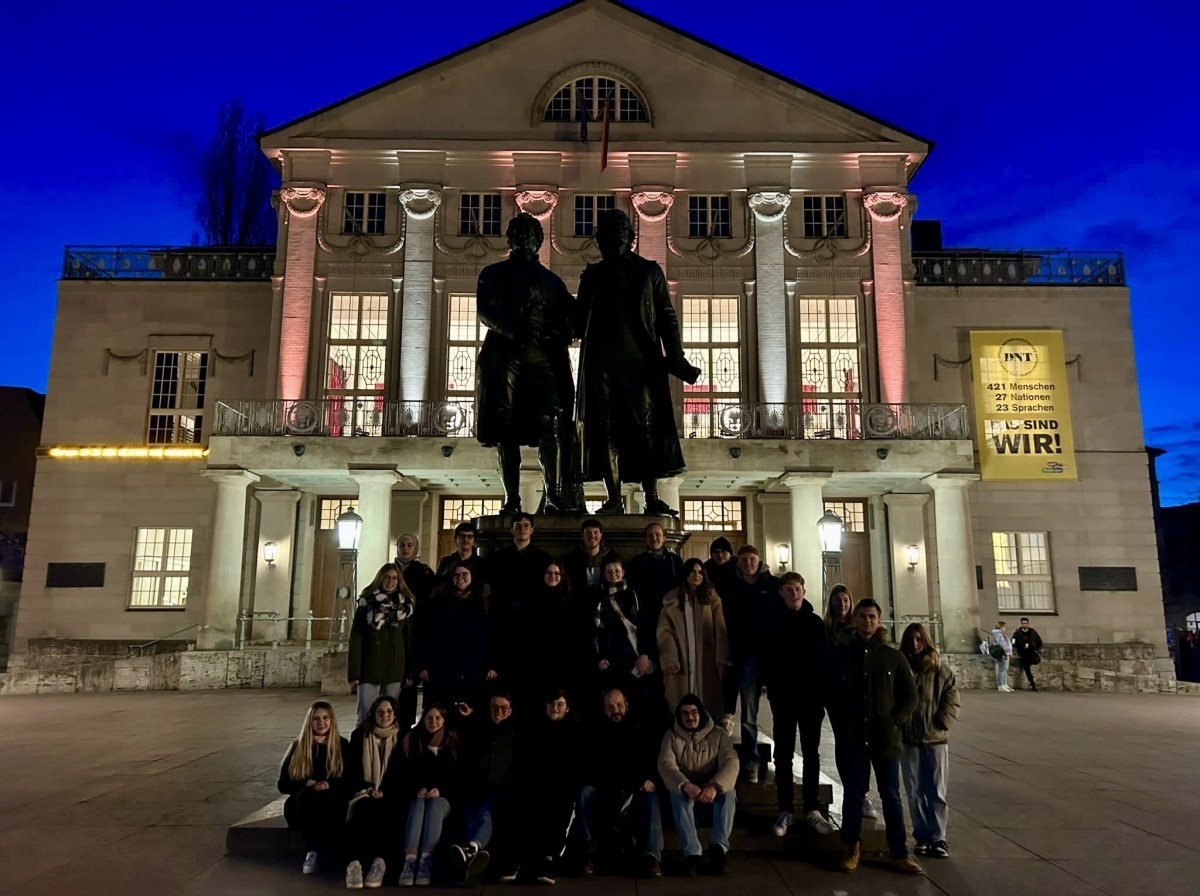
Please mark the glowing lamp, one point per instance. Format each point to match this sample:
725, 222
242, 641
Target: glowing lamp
829, 527
271, 553
783, 553
349, 527
912, 554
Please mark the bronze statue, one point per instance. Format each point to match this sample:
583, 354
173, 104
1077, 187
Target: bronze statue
523, 389
631, 343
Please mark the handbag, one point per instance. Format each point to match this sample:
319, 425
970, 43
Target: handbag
996, 651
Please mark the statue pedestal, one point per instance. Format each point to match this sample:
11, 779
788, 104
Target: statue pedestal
558, 534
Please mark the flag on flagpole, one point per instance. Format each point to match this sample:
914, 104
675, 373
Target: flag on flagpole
604, 136
581, 113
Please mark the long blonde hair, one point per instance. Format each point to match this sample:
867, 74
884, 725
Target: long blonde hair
301, 766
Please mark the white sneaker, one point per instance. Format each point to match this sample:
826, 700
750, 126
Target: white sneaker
354, 879
817, 822
409, 873
425, 871
375, 875
310, 863
868, 808
782, 823
1005, 689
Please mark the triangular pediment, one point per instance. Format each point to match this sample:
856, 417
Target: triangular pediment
696, 94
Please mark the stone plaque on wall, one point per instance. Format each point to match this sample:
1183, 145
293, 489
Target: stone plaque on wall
75, 575
1107, 578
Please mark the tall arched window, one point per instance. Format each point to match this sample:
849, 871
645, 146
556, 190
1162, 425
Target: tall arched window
588, 94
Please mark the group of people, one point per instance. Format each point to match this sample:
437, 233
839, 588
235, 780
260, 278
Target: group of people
585, 687
1025, 642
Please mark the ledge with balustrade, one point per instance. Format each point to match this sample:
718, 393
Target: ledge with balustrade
990, 267
817, 418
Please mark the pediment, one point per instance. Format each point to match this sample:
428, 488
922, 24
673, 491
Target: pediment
697, 94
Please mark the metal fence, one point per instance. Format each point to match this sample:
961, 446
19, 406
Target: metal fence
967, 267
166, 263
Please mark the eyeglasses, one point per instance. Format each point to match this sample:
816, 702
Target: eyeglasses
461, 575
554, 575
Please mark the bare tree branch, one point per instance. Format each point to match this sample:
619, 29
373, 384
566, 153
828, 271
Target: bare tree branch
236, 182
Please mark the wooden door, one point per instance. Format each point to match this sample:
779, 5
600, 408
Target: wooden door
324, 585
856, 565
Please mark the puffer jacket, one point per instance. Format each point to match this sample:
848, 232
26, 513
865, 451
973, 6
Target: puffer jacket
872, 695
937, 702
703, 757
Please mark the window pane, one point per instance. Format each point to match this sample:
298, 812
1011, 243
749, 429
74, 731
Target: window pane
148, 549
343, 317
725, 320
695, 320
1008, 595
1034, 556
460, 372
843, 320
175, 589
1004, 553
463, 320
813, 322
145, 591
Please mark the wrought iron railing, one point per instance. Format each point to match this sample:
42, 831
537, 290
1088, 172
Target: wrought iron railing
970, 267
166, 263
838, 418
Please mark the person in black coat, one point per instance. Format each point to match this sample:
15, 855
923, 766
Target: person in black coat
452, 643
548, 772
1028, 645
514, 573
417, 575
429, 782
380, 656
624, 638
750, 593
464, 552
375, 777
793, 659
312, 777
554, 629
584, 563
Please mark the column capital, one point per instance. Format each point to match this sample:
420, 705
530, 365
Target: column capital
371, 475
421, 201
795, 481
303, 199
769, 204
277, 495
652, 203
885, 206
895, 499
230, 477
538, 200
951, 481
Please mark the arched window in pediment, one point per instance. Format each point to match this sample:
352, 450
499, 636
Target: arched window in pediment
586, 87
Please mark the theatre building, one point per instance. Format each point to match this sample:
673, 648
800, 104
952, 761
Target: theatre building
970, 415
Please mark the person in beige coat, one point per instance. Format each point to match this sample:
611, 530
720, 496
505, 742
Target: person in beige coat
697, 764
693, 644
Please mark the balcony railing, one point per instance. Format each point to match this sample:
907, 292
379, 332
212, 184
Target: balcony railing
166, 263
810, 419
973, 267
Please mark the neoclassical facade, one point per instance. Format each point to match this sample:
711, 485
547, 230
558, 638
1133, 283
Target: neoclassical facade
210, 414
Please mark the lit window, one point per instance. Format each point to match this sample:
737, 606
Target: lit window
356, 363
708, 216
586, 96
463, 510
588, 207
714, 515
465, 334
824, 216
162, 560
331, 509
711, 333
364, 213
177, 398
853, 514
1023, 576
479, 214
830, 370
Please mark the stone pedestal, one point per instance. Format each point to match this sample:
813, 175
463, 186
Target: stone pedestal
558, 534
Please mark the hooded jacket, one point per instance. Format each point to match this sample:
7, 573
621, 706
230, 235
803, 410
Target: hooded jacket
701, 757
872, 696
937, 701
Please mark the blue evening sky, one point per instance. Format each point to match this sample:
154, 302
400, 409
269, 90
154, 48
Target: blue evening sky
1056, 124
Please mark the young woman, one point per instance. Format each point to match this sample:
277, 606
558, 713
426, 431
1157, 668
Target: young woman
431, 749
1002, 655
838, 619
555, 640
416, 574
623, 640
693, 644
311, 776
453, 641
375, 773
380, 657
925, 736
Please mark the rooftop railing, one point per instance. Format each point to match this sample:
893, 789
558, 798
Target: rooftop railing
817, 418
982, 267
166, 263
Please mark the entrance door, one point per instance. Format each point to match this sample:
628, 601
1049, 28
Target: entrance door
855, 558
326, 570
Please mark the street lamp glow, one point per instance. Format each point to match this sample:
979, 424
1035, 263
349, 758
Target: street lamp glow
830, 528
349, 527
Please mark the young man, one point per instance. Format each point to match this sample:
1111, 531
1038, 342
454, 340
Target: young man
1028, 645
514, 573
792, 659
584, 565
464, 553
872, 696
488, 787
752, 591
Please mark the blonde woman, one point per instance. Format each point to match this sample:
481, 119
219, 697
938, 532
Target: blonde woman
925, 736
312, 778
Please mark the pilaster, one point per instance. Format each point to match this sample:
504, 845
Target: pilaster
906, 525
302, 201
420, 204
956, 559
887, 259
769, 207
222, 600
375, 508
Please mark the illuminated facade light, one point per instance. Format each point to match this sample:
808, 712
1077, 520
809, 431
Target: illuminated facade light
132, 452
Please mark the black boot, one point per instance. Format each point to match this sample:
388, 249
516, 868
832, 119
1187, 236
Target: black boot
551, 461
612, 483
509, 457
654, 504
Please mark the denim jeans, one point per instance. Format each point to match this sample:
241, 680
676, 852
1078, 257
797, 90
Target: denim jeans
749, 693
423, 830
1002, 672
854, 768
926, 769
790, 713
477, 822
646, 806
683, 809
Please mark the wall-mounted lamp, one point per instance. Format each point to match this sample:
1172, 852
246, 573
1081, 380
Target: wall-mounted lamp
912, 554
271, 553
783, 553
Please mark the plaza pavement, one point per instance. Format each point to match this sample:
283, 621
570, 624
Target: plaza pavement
1053, 793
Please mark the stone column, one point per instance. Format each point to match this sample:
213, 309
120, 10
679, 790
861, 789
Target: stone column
887, 259
273, 584
906, 525
303, 201
540, 202
807, 506
769, 208
652, 205
421, 205
956, 559
223, 589
375, 507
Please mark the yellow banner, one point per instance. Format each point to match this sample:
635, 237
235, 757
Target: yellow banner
1022, 412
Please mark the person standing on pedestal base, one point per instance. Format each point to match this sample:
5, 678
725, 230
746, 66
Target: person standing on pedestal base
523, 389
631, 343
